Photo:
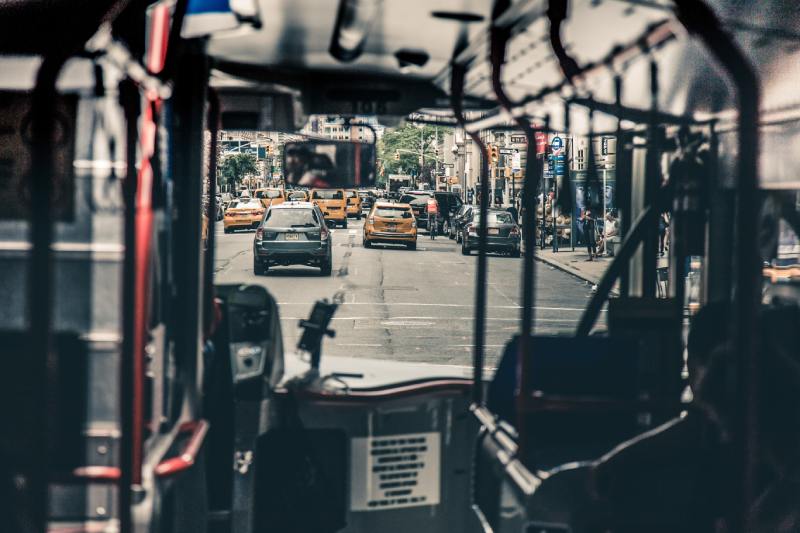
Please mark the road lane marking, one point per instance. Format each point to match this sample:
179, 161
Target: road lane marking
516, 319
405, 323
418, 304
357, 344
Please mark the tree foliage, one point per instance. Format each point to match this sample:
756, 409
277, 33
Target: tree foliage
409, 139
236, 167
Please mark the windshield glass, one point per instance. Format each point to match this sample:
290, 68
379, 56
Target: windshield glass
350, 194
493, 217
269, 193
391, 212
297, 195
408, 198
327, 194
246, 204
290, 218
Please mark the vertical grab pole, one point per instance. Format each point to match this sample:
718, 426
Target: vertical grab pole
211, 212
456, 93
651, 185
699, 19
129, 99
40, 280
623, 193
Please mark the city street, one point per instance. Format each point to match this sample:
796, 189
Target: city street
406, 305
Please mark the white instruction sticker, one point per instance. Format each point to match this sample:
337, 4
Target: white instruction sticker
394, 471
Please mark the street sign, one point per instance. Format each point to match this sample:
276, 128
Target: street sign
516, 161
557, 144
519, 139
541, 142
507, 151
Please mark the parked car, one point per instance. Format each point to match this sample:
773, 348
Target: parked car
293, 233
245, 213
502, 233
390, 223
457, 221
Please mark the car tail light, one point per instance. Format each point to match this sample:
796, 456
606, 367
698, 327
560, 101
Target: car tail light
413, 223
259, 234
371, 220
471, 229
324, 233
515, 231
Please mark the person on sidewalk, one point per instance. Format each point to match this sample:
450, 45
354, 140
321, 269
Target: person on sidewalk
610, 230
663, 224
590, 232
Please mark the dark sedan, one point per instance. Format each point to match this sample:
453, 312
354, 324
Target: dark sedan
502, 233
293, 233
457, 221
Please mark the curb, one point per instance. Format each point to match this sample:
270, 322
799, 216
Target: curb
580, 274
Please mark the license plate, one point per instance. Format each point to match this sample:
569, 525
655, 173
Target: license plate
391, 227
494, 231
292, 236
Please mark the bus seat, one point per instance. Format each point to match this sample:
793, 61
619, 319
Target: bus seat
508, 497
668, 479
581, 399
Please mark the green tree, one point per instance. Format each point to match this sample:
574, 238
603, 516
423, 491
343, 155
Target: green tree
407, 141
236, 167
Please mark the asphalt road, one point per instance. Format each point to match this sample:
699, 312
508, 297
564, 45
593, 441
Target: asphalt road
406, 305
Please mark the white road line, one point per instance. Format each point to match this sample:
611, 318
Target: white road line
556, 320
356, 344
418, 304
351, 232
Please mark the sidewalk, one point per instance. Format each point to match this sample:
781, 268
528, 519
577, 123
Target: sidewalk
575, 263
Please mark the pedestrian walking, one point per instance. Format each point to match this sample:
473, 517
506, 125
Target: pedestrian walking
663, 224
470, 195
590, 232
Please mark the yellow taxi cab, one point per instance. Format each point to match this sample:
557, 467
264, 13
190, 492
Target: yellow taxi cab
390, 223
332, 203
353, 203
296, 196
270, 196
244, 213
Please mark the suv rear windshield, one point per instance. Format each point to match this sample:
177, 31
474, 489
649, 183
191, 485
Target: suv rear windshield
297, 195
493, 217
291, 218
408, 198
390, 212
327, 195
350, 194
269, 193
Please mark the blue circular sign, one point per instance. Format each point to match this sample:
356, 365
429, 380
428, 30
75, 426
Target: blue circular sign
556, 144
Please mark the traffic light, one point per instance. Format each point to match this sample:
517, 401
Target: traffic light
269, 149
396, 155
494, 153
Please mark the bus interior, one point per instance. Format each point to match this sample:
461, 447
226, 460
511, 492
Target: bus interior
139, 395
